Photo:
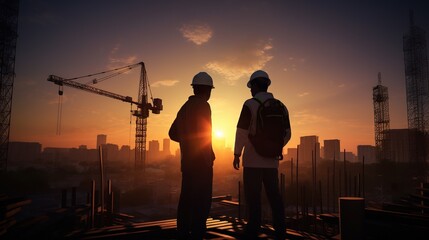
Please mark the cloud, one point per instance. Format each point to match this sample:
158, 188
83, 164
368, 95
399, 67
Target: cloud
121, 62
165, 83
115, 62
306, 117
293, 63
303, 94
243, 62
197, 33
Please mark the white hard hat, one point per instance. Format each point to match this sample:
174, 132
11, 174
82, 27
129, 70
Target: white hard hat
258, 74
202, 78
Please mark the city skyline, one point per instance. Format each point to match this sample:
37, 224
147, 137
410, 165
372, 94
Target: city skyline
330, 149
323, 59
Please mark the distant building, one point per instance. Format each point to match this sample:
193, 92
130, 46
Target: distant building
332, 149
308, 148
110, 152
154, 146
322, 152
400, 148
291, 154
350, 156
125, 155
82, 154
367, 151
101, 139
153, 152
166, 147
24, 152
54, 155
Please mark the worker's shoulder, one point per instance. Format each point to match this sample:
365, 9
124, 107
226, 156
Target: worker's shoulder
197, 102
251, 102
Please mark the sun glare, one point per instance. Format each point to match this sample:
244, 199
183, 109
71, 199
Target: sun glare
219, 134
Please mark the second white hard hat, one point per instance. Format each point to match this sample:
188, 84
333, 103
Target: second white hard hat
258, 74
202, 78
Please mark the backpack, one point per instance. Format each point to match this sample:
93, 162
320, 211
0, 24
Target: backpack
272, 124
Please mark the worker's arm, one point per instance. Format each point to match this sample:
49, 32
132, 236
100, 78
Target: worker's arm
173, 133
241, 135
288, 134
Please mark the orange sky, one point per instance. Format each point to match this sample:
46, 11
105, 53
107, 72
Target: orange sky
323, 61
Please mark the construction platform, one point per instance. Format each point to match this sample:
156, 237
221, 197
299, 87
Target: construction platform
217, 228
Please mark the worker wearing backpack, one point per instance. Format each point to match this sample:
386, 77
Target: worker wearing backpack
263, 120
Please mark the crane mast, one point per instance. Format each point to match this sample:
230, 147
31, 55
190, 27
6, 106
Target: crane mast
141, 114
141, 123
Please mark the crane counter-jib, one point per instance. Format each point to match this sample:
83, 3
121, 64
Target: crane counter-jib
64, 82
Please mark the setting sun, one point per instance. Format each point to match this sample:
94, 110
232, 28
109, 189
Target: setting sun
219, 134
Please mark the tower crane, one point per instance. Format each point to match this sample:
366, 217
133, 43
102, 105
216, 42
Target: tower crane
143, 106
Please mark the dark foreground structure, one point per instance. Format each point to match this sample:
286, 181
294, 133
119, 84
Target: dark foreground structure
392, 221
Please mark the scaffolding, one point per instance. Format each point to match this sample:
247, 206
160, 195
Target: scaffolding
8, 37
380, 97
417, 89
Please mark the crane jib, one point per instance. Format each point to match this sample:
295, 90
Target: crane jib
64, 82
143, 106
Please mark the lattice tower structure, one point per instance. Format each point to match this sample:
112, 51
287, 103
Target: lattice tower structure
141, 123
9, 10
417, 87
380, 97
416, 77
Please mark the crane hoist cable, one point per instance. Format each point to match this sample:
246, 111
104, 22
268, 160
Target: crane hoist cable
116, 72
95, 80
129, 67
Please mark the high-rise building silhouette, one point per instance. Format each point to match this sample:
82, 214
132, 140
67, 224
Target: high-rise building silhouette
166, 146
101, 140
367, 152
309, 147
331, 149
380, 98
9, 10
400, 145
291, 153
154, 146
110, 152
417, 89
153, 152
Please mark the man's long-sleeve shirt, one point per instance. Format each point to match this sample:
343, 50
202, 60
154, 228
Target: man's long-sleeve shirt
192, 128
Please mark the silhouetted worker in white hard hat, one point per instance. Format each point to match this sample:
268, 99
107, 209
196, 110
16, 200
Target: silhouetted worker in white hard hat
192, 128
259, 169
